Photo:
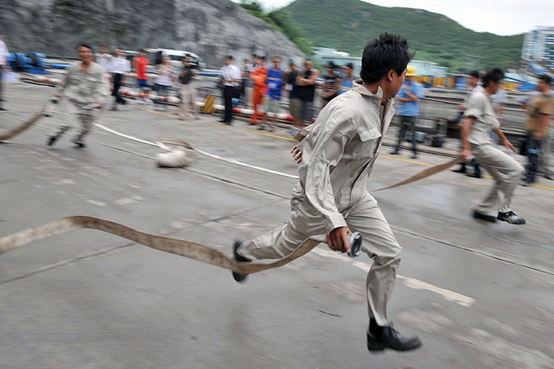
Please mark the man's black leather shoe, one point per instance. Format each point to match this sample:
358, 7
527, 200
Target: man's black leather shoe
389, 338
238, 276
473, 175
460, 170
488, 218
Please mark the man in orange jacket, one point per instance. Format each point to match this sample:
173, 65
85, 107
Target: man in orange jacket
258, 77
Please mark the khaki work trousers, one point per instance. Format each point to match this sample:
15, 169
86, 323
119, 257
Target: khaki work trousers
75, 112
188, 97
363, 216
505, 171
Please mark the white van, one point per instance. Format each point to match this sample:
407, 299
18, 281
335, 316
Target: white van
155, 56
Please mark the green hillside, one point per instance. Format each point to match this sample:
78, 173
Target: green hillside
347, 25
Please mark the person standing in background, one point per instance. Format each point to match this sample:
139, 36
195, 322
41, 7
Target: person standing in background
231, 80
545, 152
258, 76
188, 90
4, 67
474, 87
164, 80
118, 67
307, 81
275, 81
540, 109
348, 78
332, 84
104, 59
246, 84
140, 63
294, 97
409, 96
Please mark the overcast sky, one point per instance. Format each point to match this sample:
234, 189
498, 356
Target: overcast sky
503, 17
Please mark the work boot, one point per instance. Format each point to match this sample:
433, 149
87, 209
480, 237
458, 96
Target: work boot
510, 217
488, 218
395, 152
461, 169
238, 276
414, 156
389, 338
473, 175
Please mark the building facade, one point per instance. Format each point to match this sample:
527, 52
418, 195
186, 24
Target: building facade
538, 45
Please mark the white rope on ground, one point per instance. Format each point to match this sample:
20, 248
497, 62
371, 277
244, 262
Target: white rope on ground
213, 156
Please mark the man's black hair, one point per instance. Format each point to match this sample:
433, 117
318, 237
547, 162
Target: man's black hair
142, 51
230, 57
493, 75
350, 65
254, 56
382, 54
545, 78
82, 44
261, 58
187, 55
474, 73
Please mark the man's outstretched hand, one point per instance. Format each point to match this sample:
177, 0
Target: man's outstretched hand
296, 154
338, 239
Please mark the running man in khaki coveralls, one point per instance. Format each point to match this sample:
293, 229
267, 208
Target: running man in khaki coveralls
85, 84
331, 197
480, 120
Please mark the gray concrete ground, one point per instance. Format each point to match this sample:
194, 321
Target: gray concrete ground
479, 294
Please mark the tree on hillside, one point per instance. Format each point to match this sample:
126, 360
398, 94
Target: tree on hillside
281, 20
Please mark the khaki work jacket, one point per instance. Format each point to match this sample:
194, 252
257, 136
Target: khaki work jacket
339, 151
481, 108
85, 88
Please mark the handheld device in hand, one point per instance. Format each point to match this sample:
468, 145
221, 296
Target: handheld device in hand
355, 240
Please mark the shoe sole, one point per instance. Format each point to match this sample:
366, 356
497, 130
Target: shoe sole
507, 221
380, 349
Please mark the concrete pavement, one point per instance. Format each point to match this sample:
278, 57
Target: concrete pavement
479, 294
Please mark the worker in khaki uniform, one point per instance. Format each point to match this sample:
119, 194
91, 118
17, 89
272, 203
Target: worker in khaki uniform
85, 86
330, 198
479, 121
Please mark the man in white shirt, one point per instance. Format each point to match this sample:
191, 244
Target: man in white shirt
118, 67
231, 78
4, 66
104, 58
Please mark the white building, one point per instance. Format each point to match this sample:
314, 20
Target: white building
539, 45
